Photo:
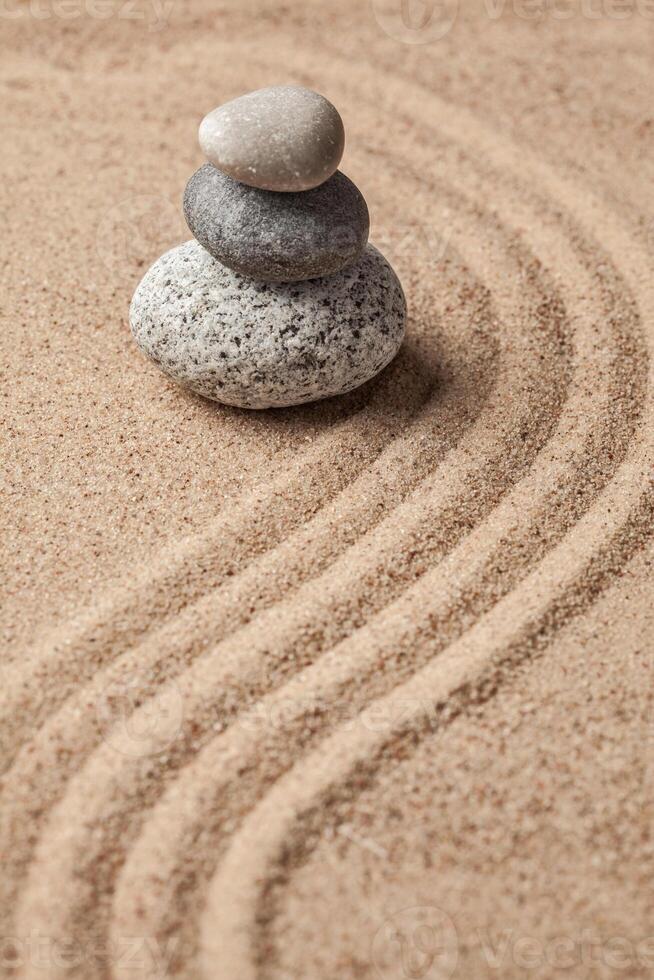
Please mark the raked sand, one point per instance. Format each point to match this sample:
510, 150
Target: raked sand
361, 689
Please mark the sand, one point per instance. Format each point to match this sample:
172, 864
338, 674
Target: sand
361, 689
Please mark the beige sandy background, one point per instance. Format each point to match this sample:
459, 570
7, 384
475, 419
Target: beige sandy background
361, 689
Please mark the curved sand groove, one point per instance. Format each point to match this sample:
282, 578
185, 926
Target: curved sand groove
276, 835
286, 723
511, 376
199, 564
189, 823
77, 651
536, 397
73, 732
156, 641
565, 581
180, 830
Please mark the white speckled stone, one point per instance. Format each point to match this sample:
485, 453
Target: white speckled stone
281, 138
260, 344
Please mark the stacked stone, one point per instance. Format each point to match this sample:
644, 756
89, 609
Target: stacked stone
279, 299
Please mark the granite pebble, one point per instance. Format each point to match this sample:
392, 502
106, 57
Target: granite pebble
277, 237
280, 138
259, 344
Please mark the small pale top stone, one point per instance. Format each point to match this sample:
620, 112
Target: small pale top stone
277, 237
259, 344
281, 138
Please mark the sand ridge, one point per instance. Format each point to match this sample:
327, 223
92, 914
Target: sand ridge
179, 741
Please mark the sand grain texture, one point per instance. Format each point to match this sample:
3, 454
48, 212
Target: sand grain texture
363, 688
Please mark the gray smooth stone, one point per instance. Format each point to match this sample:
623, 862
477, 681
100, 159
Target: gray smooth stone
281, 138
277, 237
261, 345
